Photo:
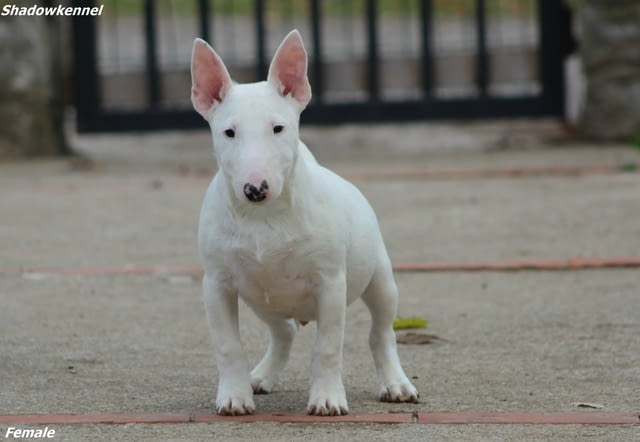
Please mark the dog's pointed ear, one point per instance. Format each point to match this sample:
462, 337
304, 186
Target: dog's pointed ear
288, 70
210, 80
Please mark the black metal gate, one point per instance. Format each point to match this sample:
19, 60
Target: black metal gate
370, 60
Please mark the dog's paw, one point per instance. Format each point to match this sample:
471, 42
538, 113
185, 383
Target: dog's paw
261, 386
328, 407
399, 392
328, 401
235, 405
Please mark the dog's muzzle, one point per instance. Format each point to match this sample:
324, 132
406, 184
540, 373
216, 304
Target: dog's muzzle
255, 194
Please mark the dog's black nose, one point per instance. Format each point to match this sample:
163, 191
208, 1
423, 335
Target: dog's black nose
254, 194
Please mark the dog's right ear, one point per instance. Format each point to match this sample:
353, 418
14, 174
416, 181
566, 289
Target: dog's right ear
210, 80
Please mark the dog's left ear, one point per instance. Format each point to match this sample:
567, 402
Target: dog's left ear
288, 70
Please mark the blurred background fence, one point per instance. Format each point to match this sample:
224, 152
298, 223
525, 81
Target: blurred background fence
370, 60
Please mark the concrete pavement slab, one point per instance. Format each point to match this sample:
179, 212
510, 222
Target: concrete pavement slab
94, 219
340, 432
515, 341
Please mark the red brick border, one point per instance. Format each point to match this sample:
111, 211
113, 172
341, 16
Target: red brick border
508, 172
107, 271
488, 266
559, 418
517, 418
102, 418
356, 418
524, 264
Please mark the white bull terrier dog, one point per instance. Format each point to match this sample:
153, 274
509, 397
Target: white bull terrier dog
295, 241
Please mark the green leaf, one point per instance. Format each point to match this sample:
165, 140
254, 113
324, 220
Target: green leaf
405, 323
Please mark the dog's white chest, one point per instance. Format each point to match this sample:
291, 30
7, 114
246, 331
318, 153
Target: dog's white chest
277, 276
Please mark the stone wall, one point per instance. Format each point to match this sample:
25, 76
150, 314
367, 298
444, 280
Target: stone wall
610, 55
31, 96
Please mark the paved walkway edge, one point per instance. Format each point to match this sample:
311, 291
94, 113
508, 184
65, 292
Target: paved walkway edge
632, 262
519, 418
506, 172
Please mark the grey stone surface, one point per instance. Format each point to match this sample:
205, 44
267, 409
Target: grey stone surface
31, 107
342, 432
518, 341
610, 53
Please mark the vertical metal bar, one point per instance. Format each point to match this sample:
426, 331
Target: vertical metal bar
373, 78
86, 92
551, 56
316, 35
427, 62
153, 78
481, 48
261, 68
203, 15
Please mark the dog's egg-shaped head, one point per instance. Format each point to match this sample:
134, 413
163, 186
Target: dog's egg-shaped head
254, 126
255, 138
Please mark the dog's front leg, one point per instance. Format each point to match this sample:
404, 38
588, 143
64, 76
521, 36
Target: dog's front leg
327, 396
235, 396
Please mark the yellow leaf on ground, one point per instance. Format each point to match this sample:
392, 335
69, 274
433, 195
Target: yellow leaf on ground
405, 323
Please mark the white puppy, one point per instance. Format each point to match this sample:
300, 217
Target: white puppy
295, 241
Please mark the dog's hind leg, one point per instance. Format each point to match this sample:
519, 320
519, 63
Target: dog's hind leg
265, 374
381, 297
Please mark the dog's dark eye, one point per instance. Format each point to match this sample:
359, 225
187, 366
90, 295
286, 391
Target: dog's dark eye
230, 133
278, 128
